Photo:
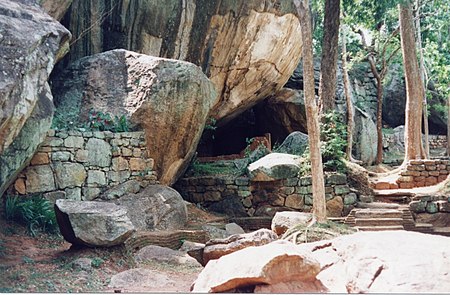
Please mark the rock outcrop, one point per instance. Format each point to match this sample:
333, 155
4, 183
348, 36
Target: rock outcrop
271, 264
247, 48
274, 166
170, 99
92, 223
156, 207
214, 249
363, 262
153, 253
56, 8
294, 144
32, 42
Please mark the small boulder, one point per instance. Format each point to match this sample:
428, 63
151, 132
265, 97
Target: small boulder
154, 253
93, 223
282, 221
214, 249
128, 187
138, 278
294, 144
275, 166
269, 264
234, 229
157, 207
194, 250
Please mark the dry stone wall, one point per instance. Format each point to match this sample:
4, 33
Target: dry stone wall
262, 198
81, 165
421, 173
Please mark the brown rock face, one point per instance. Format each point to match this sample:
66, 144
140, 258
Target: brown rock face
247, 48
32, 42
170, 99
271, 264
56, 8
214, 249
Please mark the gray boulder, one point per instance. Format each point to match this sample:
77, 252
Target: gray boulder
31, 43
158, 254
284, 220
93, 223
275, 166
157, 207
365, 137
294, 144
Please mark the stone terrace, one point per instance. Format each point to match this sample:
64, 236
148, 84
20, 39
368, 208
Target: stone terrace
81, 165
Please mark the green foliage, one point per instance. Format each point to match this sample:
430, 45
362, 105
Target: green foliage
100, 121
333, 134
214, 168
97, 262
68, 118
35, 212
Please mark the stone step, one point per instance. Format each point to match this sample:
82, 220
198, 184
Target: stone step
378, 221
378, 213
379, 228
378, 205
443, 231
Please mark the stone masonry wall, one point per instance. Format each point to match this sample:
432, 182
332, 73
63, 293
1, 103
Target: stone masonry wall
421, 173
81, 165
267, 197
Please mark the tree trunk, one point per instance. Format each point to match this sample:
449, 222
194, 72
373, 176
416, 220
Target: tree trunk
318, 184
327, 83
414, 86
376, 74
348, 98
448, 126
422, 76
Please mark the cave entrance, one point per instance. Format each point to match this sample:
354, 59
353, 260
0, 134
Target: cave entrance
230, 141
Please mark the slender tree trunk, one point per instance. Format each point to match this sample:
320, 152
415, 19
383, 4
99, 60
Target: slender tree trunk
448, 126
414, 87
327, 84
318, 184
376, 74
348, 99
422, 75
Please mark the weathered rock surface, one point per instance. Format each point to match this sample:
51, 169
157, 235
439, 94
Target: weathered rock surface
169, 99
282, 113
274, 166
247, 48
365, 137
363, 262
157, 207
93, 223
282, 221
274, 263
140, 278
153, 253
214, 249
32, 42
56, 8
294, 144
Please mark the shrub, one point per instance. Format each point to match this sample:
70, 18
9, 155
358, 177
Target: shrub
333, 133
34, 211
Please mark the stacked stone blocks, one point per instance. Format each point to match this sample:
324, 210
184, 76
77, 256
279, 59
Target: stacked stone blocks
421, 173
290, 194
81, 165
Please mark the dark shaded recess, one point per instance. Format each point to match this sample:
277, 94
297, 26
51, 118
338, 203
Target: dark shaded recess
231, 206
231, 138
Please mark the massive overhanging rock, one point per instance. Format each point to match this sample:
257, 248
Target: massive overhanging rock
31, 43
247, 48
56, 8
169, 98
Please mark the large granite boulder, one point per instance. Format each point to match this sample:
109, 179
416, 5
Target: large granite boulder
247, 48
92, 223
216, 248
363, 262
365, 137
157, 207
169, 99
56, 8
270, 264
275, 166
31, 43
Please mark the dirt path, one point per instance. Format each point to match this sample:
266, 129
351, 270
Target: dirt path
45, 263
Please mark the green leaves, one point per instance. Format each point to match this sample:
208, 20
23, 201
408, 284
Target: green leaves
35, 212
